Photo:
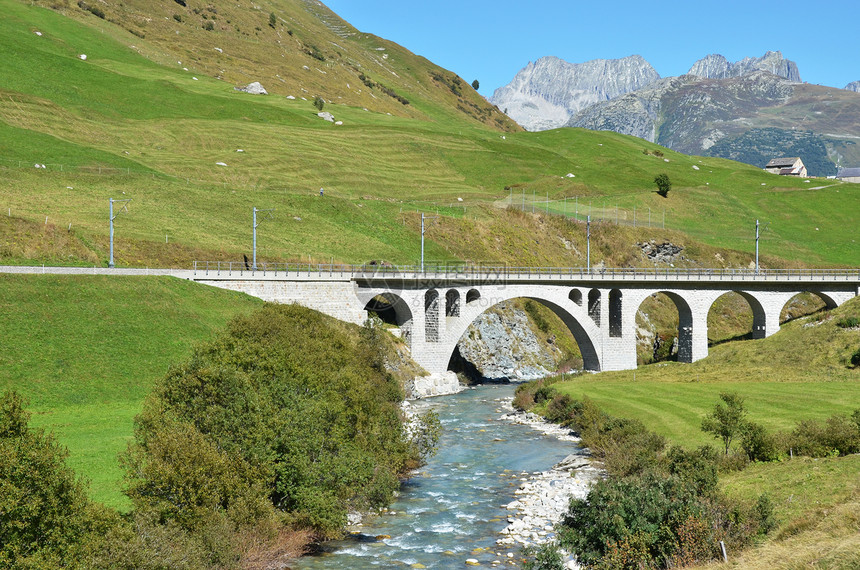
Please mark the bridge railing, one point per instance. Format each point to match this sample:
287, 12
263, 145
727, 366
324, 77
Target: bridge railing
455, 271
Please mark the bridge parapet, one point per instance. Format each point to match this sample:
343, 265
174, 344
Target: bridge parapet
513, 274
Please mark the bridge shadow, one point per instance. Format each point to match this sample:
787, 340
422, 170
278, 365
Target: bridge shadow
745, 336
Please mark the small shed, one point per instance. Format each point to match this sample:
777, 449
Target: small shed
789, 166
848, 174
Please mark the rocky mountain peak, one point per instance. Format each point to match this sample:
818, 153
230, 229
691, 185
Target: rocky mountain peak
548, 92
853, 86
716, 66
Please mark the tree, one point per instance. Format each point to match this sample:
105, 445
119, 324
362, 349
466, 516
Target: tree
475, 85
663, 184
44, 509
319, 103
272, 20
728, 420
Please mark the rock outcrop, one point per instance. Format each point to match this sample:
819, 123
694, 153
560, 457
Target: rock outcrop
665, 252
548, 92
501, 345
716, 66
853, 86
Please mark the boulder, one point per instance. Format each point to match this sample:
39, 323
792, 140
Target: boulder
254, 88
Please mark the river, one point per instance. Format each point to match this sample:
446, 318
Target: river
453, 509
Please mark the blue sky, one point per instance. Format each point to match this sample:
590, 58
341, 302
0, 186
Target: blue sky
491, 40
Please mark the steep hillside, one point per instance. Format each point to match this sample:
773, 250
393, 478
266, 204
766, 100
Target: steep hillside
195, 156
295, 48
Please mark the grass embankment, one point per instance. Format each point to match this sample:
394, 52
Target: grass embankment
86, 350
132, 113
801, 373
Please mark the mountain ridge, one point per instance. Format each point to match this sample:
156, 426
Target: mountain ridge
547, 92
716, 66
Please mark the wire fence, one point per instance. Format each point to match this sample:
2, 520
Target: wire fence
584, 208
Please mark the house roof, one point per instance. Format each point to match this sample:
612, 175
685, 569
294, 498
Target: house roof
783, 162
848, 173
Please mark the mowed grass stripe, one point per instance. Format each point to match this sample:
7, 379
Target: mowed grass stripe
675, 410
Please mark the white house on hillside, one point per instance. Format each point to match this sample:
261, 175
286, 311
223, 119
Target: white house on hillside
791, 166
848, 174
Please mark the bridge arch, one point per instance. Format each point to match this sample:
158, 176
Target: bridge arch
615, 313
431, 316
586, 335
452, 303
750, 317
393, 310
806, 303
594, 305
686, 352
472, 296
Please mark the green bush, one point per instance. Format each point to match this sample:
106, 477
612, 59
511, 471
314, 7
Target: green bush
208, 25
545, 557
764, 514
270, 418
663, 184
627, 448
633, 522
855, 358
838, 435
654, 510
848, 322
758, 444
44, 511
544, 393
561, 408
524, 397
698, 468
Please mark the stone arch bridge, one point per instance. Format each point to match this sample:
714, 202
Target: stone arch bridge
433, 308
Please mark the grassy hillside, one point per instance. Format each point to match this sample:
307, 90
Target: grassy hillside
130, 122
801, 373
86, 350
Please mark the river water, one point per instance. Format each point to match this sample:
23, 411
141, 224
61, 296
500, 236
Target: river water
453, 508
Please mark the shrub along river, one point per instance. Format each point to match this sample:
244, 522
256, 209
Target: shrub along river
453, 509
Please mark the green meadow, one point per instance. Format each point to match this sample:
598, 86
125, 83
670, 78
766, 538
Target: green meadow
85, 351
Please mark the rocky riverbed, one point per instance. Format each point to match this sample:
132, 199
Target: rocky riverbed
543, 496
